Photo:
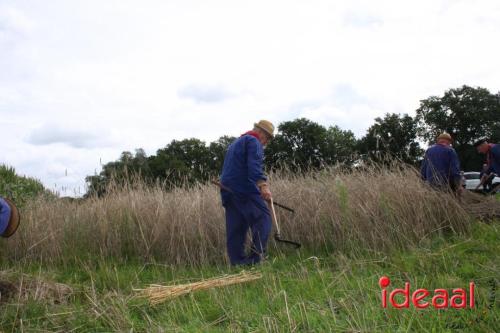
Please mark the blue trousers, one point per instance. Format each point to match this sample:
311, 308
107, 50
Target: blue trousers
242, 215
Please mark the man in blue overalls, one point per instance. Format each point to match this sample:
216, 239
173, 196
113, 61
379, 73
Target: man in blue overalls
244, 194
441, 167
492, 152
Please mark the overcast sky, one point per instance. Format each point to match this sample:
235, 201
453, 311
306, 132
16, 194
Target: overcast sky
82, 81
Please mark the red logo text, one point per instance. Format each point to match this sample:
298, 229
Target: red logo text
440, 297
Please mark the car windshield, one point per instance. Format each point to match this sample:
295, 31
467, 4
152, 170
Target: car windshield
471, 176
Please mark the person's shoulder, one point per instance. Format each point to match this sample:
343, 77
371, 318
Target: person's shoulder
239, 140
454, 152
251, 139
434, 148
237, 144
446, 148
246, 140
440, 148
451, 150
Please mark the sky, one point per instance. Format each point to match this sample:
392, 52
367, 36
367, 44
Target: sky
83, 81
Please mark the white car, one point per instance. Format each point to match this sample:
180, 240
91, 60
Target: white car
472, 180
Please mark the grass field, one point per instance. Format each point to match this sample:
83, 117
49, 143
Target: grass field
74, 265
300, 291
376, 209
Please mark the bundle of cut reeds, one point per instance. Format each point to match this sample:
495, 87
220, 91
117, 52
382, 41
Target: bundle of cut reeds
158, 294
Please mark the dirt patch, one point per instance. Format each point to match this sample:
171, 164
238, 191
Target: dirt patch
46, 291
24, 288
7, 291
482, 207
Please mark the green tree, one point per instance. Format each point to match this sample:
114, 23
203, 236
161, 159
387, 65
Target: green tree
299, 145
468, 114
217, 150
140, 163
341, 146
394, 136
182, 162
302, 144
120, 172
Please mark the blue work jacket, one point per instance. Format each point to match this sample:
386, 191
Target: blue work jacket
440, 165
242, 169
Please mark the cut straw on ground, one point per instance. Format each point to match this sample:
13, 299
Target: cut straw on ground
158, 294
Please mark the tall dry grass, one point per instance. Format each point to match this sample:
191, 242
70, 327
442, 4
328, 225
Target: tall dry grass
374, 209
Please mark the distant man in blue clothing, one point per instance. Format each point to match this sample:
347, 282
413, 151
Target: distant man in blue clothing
492, 152
441, 167
246, 194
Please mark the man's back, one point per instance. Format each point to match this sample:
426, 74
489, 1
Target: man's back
494, 159
242, 167
440, 165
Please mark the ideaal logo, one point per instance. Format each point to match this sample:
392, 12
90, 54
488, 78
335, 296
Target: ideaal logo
440, 297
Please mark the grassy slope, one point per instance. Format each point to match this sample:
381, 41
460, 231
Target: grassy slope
20, 189
298, 292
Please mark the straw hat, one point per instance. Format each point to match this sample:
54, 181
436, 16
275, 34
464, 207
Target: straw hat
13, 221
266, 126
445, 136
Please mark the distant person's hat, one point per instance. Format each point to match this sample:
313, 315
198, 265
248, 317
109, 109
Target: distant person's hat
445, 136
9, 218
480, 142
266, 126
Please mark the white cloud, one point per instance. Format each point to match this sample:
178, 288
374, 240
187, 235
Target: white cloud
15, 22
200, 93
76, 137
361, 20
90, 79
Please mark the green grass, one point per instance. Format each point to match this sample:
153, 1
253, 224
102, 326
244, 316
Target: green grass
300, 292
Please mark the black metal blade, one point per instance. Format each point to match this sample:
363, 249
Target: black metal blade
279, 239
284, 207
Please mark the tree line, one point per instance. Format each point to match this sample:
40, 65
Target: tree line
467, 113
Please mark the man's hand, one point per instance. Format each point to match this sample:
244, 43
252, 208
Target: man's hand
264, 191
481, 182
266, 194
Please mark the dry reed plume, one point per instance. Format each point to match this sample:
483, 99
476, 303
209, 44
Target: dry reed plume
157, 294
377, 208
